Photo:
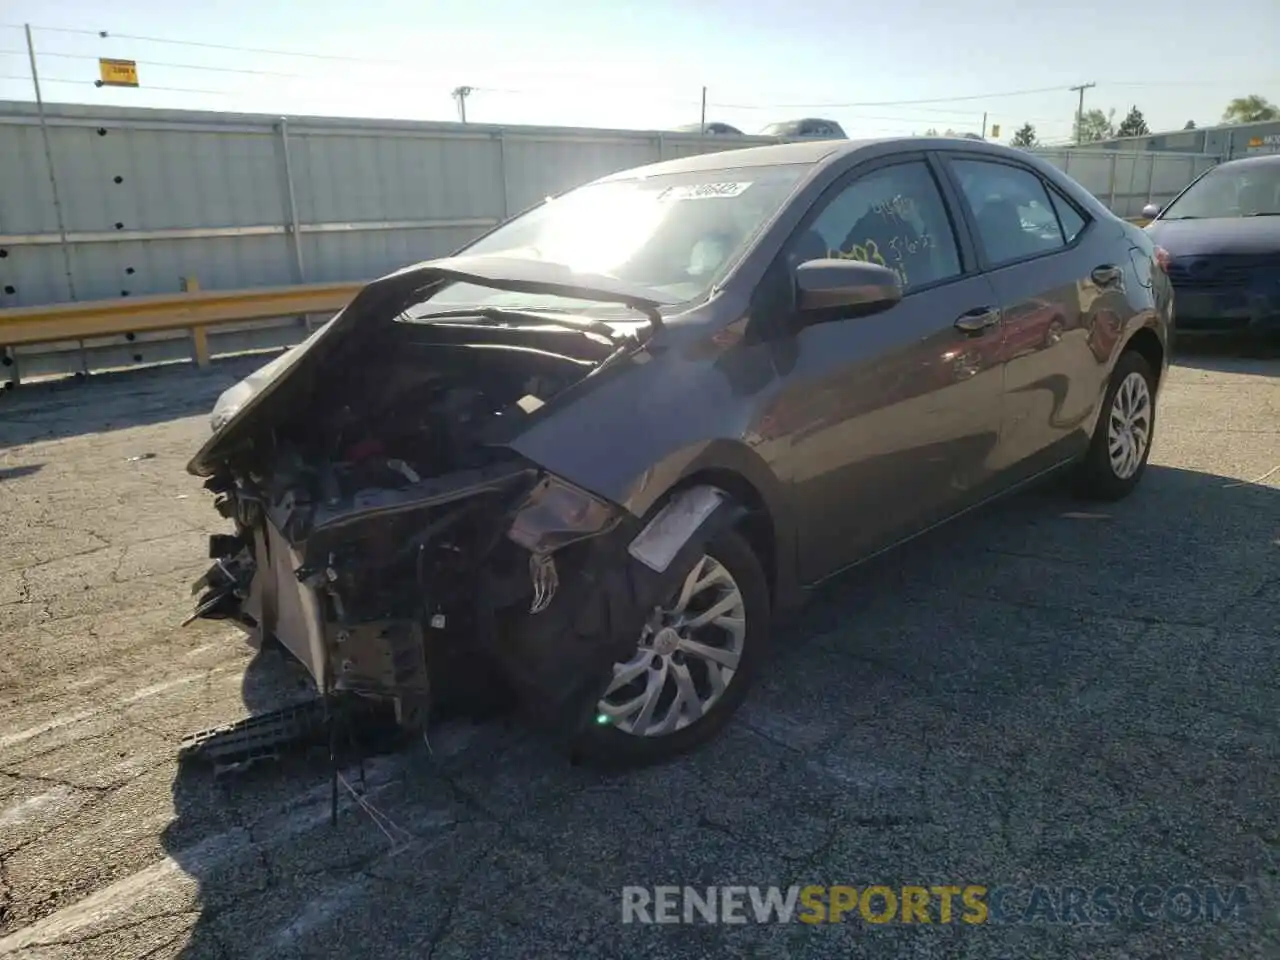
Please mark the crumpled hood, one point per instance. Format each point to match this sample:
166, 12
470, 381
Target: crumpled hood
1227, 235
243, 409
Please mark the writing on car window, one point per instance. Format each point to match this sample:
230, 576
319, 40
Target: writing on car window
894, 217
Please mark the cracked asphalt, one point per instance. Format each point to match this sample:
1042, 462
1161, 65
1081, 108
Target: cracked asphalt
1043, 693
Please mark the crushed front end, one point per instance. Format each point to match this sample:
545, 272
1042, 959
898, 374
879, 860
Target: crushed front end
387, 540
366, 586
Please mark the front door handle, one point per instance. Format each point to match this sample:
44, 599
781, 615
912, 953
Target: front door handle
978, 319
1106, 276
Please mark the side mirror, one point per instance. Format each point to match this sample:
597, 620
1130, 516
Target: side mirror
1151, 211
844, 288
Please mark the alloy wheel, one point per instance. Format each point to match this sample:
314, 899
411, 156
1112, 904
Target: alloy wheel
1129, 425
685, 660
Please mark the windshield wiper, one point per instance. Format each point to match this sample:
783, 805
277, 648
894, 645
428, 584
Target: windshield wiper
1265, 213
503, 314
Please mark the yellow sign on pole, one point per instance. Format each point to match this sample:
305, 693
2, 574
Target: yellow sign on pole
995, 130
117, 73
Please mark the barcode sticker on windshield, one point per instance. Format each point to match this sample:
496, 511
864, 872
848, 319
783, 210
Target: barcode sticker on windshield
703, 191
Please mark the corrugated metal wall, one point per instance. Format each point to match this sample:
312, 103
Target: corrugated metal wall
149, 197
1227, 141
1126, 181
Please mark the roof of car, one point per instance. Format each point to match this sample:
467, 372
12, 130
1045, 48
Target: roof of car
811, 151
816, 152
1261, 160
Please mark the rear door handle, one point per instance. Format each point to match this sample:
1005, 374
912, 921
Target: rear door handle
1106, 276
978, 319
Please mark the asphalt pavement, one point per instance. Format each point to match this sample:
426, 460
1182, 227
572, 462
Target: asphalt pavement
1044, 694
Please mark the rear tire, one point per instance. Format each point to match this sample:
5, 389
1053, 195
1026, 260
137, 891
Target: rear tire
1117, 456
616, 738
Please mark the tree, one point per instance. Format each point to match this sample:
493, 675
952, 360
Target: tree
1250, 109
1024, 136
1190, 125
1096, 125
1133, 125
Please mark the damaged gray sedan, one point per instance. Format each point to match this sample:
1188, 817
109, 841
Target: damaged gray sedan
579, 467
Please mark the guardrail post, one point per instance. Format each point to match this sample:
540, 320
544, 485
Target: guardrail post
199, 336
1151, 178
1111, 201
662, 147
13, 373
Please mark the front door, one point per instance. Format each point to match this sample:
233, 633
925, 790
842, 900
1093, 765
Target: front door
892, 417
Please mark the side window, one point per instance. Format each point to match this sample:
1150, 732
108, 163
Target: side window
894, 216
1070, 218
1012, 209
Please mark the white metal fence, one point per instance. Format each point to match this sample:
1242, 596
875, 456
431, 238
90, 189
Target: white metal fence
1127, 181
148, 197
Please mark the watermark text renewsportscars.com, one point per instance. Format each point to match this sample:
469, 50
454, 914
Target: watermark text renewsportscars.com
969, 903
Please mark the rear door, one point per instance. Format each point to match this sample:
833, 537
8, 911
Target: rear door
1057, 287
891, 417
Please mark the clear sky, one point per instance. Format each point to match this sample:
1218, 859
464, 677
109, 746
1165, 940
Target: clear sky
643, 65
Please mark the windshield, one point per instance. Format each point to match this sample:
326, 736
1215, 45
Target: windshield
675, 234
1249, 191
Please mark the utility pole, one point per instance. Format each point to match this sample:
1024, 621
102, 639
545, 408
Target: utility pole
460, 94
984, 124
703, 128
1080, 109
53, 177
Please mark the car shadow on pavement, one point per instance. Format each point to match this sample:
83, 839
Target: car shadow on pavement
1228, 354
1085, 677
13, 473
55, 409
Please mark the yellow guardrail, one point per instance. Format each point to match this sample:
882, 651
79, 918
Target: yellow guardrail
194, 310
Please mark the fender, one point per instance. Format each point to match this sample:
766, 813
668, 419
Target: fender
744, 476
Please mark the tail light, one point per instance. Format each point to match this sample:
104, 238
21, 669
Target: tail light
1162, 258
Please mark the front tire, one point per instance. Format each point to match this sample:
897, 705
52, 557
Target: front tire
692, 667
1121, 444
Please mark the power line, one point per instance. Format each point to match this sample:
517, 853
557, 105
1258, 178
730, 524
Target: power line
181, 66
901, 103
417, 64
106, 34
937, 115
94, 83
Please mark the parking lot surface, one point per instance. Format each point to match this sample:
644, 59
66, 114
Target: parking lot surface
1043, 693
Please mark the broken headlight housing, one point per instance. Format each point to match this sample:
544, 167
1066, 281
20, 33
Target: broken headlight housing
556, 514
229, 404
235, 397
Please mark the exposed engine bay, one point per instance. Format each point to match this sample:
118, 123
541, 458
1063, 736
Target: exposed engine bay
388, 539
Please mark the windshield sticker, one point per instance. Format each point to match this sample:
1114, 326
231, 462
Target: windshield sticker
703, 191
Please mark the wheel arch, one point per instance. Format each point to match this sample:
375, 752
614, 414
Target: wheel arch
741, 472
1146, 343
757, 525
